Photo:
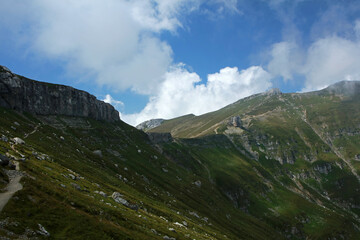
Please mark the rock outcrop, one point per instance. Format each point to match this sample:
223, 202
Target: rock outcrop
235, 121
40, 98
150, 124
160, 137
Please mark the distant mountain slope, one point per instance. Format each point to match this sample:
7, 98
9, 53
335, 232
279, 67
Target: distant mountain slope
207, 123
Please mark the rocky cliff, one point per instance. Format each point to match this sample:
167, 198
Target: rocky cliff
26, 95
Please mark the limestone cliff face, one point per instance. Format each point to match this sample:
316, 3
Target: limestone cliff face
25, 95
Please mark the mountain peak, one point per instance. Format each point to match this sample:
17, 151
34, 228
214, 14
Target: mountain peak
150, 124
344, 87
273, 91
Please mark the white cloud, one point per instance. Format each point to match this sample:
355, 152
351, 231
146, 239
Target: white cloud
117, 42
286, 58
181, 93
326, 61
116, 103
330, 60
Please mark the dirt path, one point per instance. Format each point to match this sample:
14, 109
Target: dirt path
34, 131
13, 186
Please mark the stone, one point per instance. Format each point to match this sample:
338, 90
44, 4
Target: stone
198, 183
168, 238
72, 176
42, 231
4, 160
39, 98
194, 214
4, 138
98, 153
119, 199
179, 224
76, 186
18, 140
103, 194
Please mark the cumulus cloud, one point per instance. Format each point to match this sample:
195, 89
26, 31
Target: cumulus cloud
116, 103
286, 57
181, 93
330, 60
117, 42
327, 60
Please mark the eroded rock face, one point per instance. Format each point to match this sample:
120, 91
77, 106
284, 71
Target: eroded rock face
40, 98
150, 124
235, 121
324, 168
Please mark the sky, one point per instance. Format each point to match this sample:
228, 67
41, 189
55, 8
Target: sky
167, 58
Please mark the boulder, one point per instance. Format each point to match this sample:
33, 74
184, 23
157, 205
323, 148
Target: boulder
4, 138
98, 153
76, 186
42, 231
18, 140
198, 183
119, 199
4, 160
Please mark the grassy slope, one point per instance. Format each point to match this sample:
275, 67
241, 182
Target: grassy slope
306, 127
66, 212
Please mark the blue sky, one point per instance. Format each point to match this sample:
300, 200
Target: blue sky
165, 58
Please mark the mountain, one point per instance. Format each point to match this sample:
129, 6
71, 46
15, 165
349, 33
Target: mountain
271, 166
25, 95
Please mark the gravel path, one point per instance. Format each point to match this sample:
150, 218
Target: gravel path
13, 186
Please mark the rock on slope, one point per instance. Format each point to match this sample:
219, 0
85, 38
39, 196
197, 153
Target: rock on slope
152, 123
25, 95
